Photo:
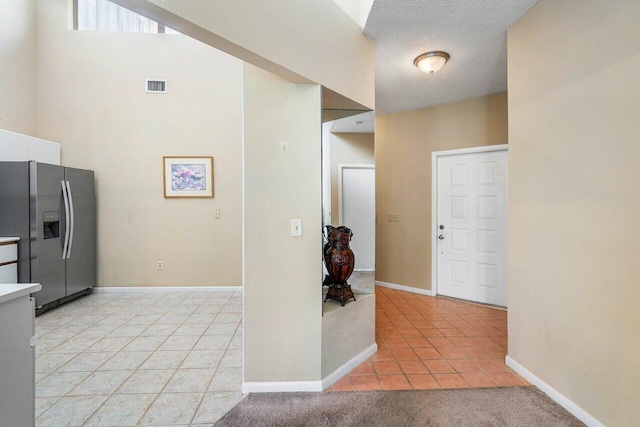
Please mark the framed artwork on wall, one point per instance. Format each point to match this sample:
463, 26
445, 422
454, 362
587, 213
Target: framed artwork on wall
187, 177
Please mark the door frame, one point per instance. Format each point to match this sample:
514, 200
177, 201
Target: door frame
434, 200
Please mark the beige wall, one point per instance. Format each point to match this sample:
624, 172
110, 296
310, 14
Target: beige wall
282, 274
91, 99
340, 344
358, 10
302, 41
403, 146
574, 235
18, 66
353, 148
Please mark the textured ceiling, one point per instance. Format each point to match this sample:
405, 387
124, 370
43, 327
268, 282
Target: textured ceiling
473, 32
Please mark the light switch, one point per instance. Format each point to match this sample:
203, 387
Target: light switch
296, 227
216, 213
284, 145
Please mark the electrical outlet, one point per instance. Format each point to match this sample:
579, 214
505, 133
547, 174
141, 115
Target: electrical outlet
296, 227
393, 218
160, 265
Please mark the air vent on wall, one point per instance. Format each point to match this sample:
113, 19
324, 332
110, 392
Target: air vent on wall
156, 86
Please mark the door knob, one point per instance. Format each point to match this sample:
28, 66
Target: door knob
441, 237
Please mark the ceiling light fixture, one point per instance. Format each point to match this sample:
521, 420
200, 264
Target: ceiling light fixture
431, 62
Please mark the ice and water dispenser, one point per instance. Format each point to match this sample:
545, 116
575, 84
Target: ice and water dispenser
51, 225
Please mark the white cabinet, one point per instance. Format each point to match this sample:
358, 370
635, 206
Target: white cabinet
16, 147
9, 273
17, 354
8, 259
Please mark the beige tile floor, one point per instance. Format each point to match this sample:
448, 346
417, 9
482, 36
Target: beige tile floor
126, 359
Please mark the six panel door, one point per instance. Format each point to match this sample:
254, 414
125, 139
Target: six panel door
472, 226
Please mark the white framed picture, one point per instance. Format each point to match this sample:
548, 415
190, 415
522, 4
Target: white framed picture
187, 177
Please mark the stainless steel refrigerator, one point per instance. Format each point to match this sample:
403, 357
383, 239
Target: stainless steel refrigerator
53, 211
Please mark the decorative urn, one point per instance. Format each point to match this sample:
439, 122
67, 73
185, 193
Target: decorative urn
339, 260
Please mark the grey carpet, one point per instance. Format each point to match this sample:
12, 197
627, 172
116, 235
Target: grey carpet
509, 406
363, 282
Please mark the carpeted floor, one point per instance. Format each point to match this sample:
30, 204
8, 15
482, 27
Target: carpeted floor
512, 406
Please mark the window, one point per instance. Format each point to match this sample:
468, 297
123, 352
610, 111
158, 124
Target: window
102, 15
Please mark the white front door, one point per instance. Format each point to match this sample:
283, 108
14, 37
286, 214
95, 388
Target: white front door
358, 211
472, 226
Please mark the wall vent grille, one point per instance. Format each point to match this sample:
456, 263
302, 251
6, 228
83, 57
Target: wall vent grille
156, 86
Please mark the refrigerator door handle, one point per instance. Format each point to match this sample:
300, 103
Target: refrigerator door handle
66, 218
73, 223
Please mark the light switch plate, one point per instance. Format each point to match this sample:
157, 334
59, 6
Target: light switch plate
296, 227
216, 213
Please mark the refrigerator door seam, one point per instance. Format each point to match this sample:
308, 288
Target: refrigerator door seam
66, 220
71, 211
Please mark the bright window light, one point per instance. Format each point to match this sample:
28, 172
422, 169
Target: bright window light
103, 15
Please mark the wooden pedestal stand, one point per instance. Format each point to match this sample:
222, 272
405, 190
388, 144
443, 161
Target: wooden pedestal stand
340, 293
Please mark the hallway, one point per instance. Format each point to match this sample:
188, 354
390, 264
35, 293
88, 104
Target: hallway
430, 343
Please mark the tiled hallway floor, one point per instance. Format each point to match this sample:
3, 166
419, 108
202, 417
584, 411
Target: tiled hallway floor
175, 358
125, 359
426, 343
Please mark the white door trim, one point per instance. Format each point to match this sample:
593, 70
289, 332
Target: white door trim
434, 200
342, 166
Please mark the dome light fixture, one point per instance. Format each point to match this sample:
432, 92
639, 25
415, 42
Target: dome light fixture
431, 62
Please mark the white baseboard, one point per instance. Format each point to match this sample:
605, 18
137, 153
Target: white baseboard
554, 394
343, 370
309, 386
404, 288
106, 289
281, 387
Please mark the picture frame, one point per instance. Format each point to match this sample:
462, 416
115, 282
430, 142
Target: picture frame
187, 177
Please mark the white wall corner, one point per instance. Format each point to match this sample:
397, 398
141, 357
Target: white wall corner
404, 288
358, 10
309, 386
349, 366
554, 394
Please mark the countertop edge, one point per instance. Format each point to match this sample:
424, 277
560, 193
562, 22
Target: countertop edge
9, 239
11, 291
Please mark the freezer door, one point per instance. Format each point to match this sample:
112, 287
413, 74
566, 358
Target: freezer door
46, 200
81, 251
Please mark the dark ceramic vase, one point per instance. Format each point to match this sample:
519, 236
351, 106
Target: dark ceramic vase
339, 260
338, 257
